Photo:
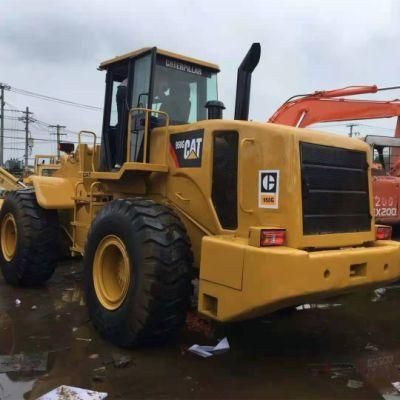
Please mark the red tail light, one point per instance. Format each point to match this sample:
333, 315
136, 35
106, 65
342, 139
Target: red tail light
272, 237
383, 232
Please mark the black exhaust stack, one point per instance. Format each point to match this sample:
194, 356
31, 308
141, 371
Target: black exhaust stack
245, 70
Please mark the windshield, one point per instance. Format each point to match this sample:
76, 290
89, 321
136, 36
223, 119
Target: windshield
182, 90
386, 158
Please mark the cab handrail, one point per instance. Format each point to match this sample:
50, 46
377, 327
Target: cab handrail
93, 134
146, 112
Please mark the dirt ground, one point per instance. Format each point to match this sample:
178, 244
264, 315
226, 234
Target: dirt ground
347, 351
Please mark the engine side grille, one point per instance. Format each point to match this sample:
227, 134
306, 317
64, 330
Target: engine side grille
334, 190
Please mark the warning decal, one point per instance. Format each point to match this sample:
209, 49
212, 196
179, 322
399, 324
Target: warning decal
268, 189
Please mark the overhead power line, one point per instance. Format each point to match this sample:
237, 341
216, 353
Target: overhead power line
53, 99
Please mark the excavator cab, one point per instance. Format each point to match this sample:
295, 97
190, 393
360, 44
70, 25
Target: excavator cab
385, 159
171, 88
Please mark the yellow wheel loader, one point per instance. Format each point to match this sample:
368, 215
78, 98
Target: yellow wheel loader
262, 216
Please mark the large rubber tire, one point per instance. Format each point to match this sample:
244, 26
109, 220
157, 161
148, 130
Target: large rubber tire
35, 256
157, 296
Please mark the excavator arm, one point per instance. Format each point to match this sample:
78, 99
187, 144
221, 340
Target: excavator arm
328, 106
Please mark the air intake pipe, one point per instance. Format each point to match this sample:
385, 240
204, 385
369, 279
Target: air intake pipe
245, 70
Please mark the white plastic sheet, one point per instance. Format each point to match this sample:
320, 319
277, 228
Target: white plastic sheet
208, 351
70, 392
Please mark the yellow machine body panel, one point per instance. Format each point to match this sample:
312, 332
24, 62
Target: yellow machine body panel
261, 280
228, 181
274, 216
53, 192
260, 147
238, 278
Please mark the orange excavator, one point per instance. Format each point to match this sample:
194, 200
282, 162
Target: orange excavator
334, 105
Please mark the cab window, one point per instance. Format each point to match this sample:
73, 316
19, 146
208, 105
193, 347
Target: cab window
182, 90
141, 82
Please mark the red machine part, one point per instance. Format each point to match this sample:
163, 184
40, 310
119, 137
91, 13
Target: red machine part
329, 106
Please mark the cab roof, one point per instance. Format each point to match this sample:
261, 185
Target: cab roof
166, 53
385, 141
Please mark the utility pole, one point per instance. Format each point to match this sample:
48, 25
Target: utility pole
2, 104
26, 118
351, 126
58, 134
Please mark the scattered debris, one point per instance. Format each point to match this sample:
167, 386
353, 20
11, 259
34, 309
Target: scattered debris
208, 351
72, 295
378, 294
74, 329
74, 393
99, 374
336, 375
353, 384
371, 347
396, 385
395, 287
33, 337
121, 360
17, 302
327, 306
303, 307
93, 356
24, 362
336, 369
319, 306
33, 307
83, 339
390, 396
67, 294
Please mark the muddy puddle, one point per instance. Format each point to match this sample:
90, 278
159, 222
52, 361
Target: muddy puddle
348, 348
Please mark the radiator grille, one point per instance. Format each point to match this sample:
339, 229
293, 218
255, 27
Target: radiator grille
334, 190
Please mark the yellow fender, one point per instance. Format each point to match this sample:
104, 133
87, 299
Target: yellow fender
53, 192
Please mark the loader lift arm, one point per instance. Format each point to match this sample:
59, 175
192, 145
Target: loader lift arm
329, 106
9, 182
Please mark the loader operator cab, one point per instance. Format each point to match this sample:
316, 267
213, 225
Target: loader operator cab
172, 85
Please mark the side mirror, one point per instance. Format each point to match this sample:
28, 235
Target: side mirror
66, 147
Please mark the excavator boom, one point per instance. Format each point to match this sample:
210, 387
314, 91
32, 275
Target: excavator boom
328, 106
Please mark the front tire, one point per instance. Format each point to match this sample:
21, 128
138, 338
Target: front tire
28, 238
137, 277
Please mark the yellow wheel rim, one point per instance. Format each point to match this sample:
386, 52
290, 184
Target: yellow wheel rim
8, 236
111, 272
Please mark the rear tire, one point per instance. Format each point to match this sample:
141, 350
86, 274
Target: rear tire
137, 266
28, 238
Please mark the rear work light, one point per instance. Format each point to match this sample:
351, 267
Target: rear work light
383, 232
272, 237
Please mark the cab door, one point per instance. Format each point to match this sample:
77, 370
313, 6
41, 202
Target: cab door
128, 85
141, 95
114, 120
